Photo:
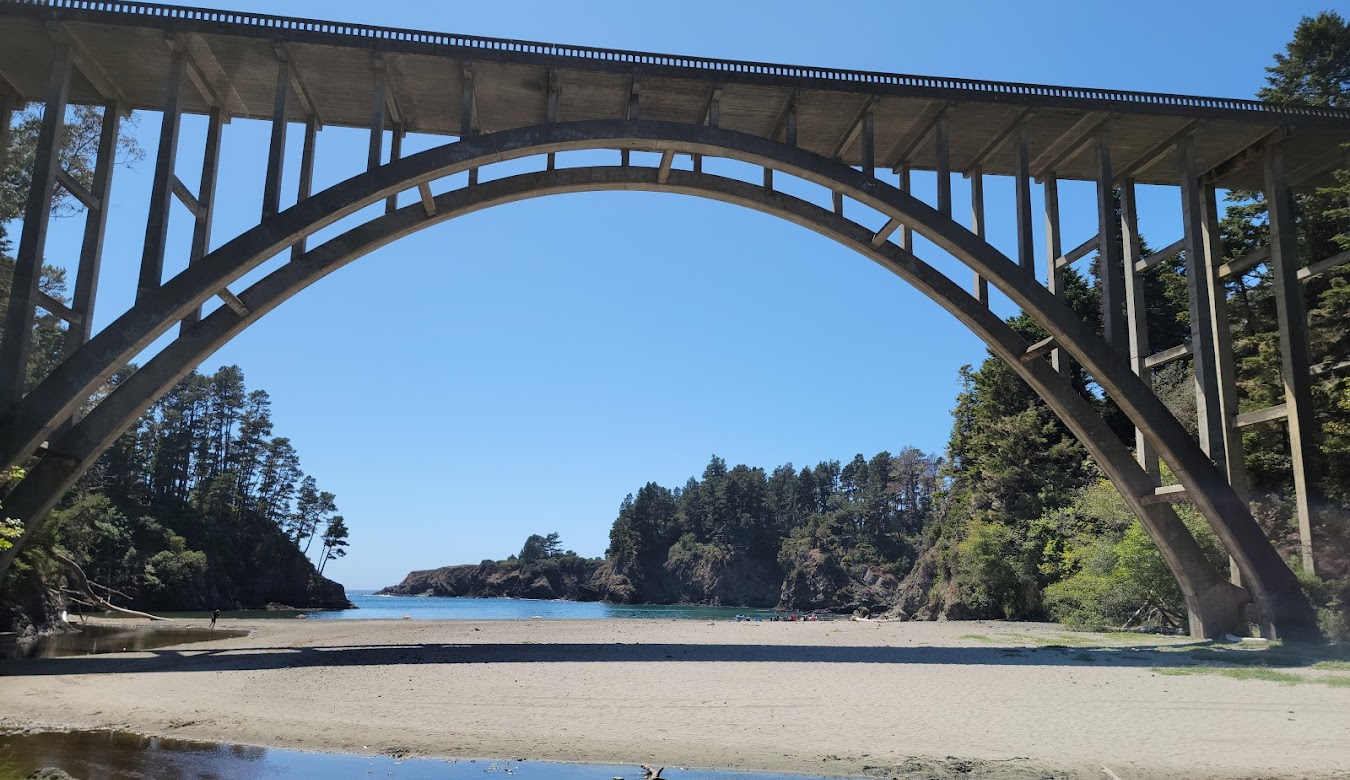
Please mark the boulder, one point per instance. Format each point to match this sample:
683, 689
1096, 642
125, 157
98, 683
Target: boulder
50, 773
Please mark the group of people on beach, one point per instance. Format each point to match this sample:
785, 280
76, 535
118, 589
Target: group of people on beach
777, 618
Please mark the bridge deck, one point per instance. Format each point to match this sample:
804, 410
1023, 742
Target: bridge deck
123, 52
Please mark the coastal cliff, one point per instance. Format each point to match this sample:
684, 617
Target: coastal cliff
509, 578
710, 574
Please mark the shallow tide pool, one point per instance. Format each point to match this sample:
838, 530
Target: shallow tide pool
113, 755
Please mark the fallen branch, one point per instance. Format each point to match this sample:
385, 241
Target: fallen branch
108, 590
97, 600
1136, 614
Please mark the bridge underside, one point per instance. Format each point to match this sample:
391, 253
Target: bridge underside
337, 72
834, 129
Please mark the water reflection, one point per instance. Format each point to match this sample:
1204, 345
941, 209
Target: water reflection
112, 755
96, 638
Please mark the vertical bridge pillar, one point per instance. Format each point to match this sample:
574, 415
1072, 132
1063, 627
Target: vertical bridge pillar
1221, 336
1208, 410
1136, 312
161, 192
1108, 249
203, 206
95, 225
1292, 317
24, 294
1054, 244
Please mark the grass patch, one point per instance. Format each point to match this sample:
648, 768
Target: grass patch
1332, 666
1253, 673
1269, 675
1069, 641
1136, 637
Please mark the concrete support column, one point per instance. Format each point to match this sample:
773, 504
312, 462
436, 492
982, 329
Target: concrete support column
869, 155
1108, 251
467, 100
7, 104
375, 149
395, 153
906, 234
161, 189
944, 166
551, 109
33, 240
206, 198
1221, 336
306, 185
1054, 245
276, 152
1291, 313
1136, 313
977, 227
1026, 251
95, 226
1208, 414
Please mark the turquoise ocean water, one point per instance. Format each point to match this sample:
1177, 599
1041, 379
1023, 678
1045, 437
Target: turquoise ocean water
370, 606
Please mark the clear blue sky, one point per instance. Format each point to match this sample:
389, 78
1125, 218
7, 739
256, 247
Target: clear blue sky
520, 370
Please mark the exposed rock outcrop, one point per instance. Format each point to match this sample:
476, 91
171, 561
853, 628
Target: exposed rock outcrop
29, 608
818, 579
925, 595
711, 574
549, 579
719, 576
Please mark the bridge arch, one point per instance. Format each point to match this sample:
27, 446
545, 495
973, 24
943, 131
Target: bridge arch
1214, 604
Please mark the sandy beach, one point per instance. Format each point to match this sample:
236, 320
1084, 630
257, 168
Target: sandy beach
963, 699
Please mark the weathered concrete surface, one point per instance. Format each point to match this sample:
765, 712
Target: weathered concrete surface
1214, 603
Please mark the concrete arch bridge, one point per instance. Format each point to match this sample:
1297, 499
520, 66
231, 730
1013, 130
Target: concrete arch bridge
859, 135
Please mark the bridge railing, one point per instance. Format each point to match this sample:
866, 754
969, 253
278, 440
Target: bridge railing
562, 51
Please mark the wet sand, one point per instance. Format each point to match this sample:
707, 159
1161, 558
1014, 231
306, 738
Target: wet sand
830, 698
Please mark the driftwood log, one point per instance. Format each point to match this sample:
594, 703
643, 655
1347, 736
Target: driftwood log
86, 591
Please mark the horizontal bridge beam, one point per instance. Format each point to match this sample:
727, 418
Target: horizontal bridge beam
1078, 252
667, 160
59, 309
428, 202
1168, 355
1155, 154
1077, 137
890, 227
1317, 269
1154, 258
1040, 348
231, 300
923, 125
1166, 494
1328, 367
997, 141
1245, 263
855, 128
1276, 412
188, 199
78, 191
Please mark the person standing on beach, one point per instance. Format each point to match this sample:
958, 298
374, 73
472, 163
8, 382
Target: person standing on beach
214, 616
